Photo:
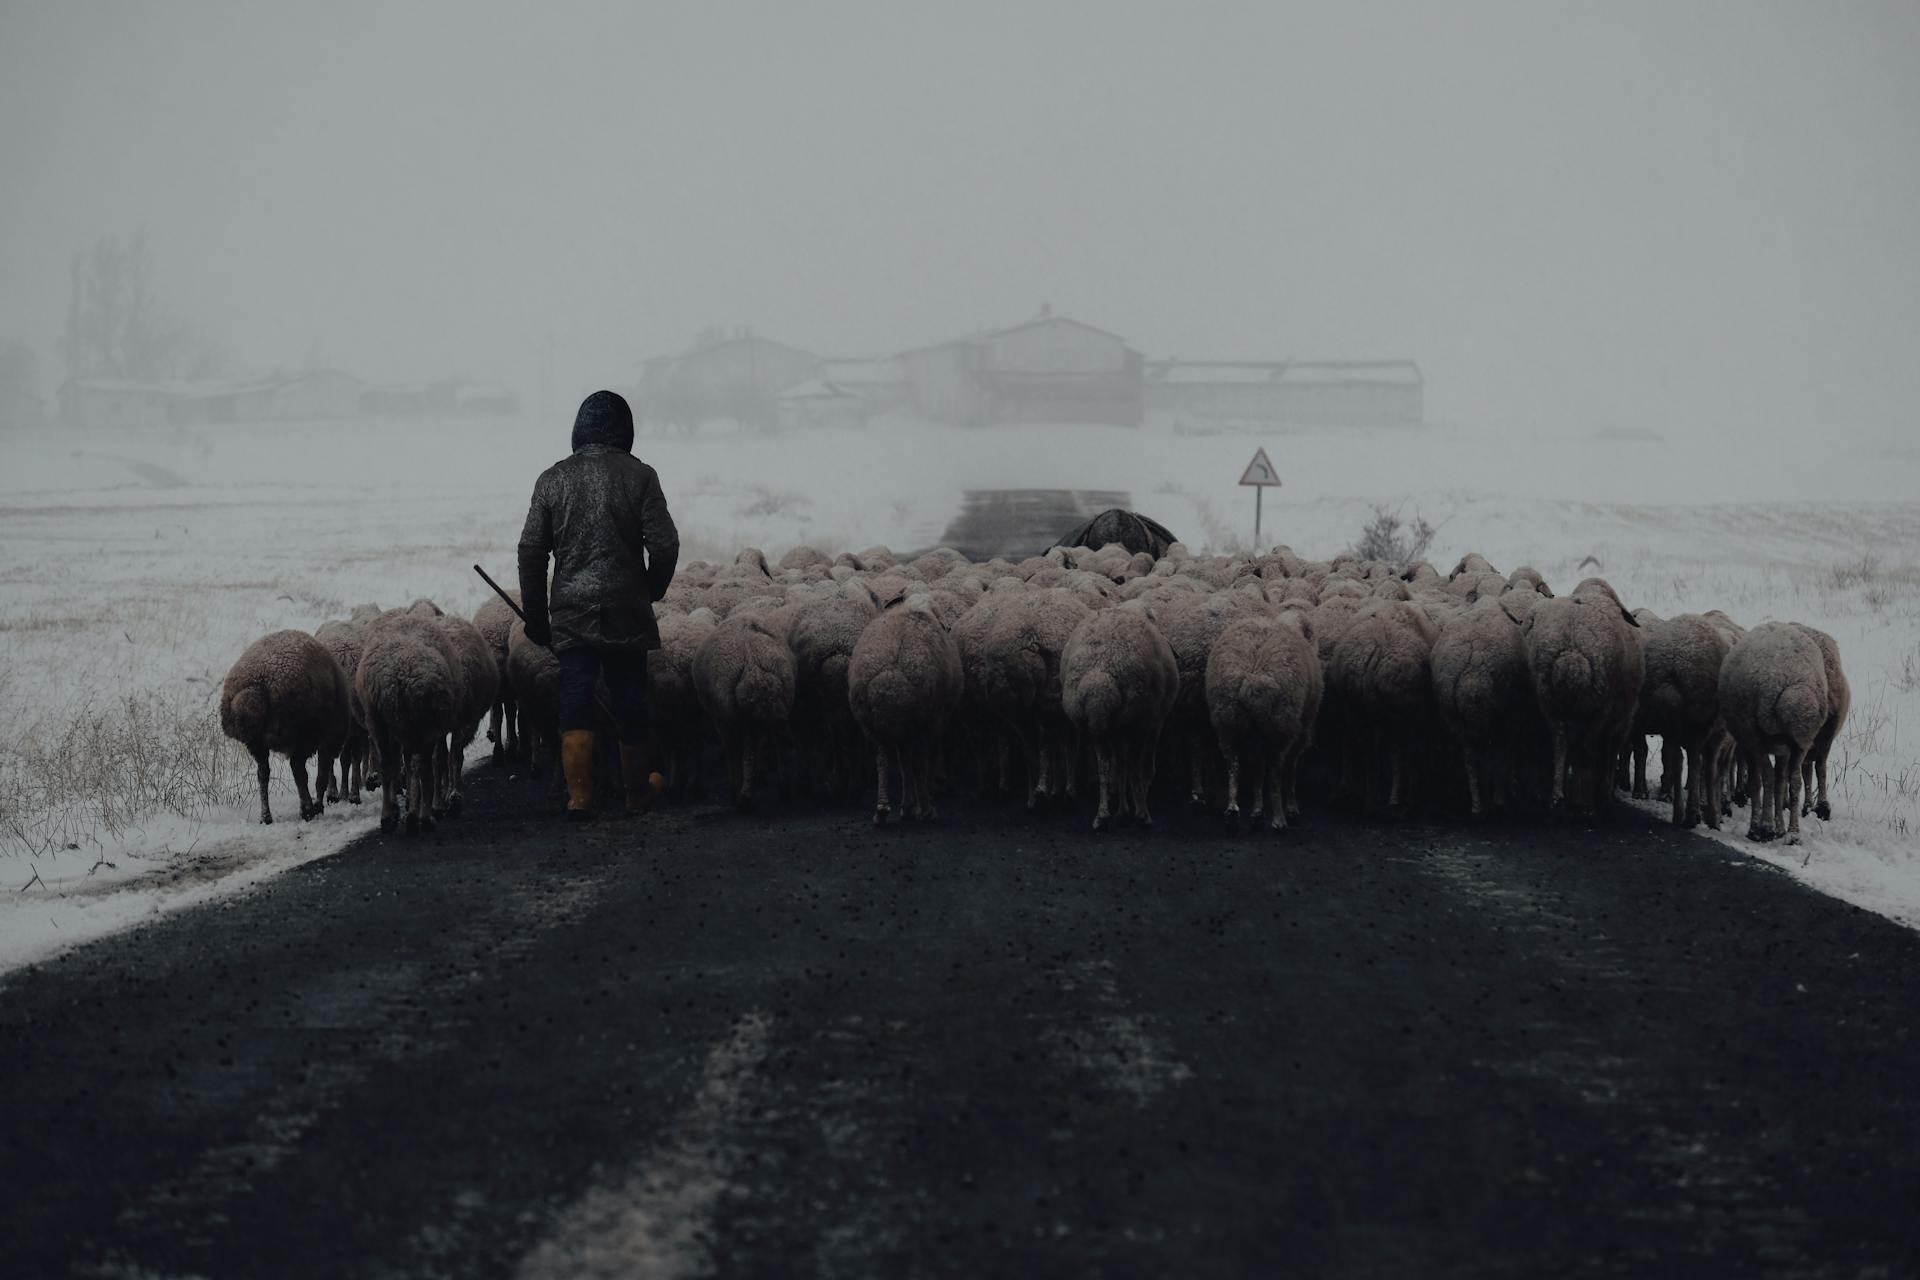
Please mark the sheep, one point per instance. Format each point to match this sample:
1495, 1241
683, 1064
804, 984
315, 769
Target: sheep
673, 708
1381, 668
411, 696
1839, 702
804, 557
1484, 696
1680, 701
1586, 665
824, 632
495, 619
479, 677
1020, 680
1263, 688
903, 684
534, 673
424, 618
1528, 576
1118, 681
743, 676
1191, 625
345, 641
286, 693
1775, 698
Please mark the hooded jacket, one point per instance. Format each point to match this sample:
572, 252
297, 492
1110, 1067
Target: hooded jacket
601, 516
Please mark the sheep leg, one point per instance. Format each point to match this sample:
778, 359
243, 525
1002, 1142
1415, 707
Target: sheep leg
1671, 755
1044, 786
1557, 790
326, 781
1232, 754
924, 766
748, 744
1291, 779
1822, 810
1640, 766
1103, 761
413, 780
1146, 760
1759, 821
1197, 773
1276, 793
1797, 783
493, 733
881, 808
1471, 755
309, 808
261, 770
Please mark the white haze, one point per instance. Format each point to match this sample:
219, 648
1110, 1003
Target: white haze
1684, 216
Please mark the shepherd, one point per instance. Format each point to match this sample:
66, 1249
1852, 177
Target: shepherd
601, 516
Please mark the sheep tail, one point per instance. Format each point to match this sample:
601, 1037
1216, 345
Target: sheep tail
1800, 704
1100, 701
1572, 671
244, 716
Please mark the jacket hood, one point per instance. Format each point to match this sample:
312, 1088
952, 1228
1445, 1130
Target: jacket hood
604, 418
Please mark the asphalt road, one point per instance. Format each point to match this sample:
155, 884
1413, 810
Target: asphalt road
789, 1044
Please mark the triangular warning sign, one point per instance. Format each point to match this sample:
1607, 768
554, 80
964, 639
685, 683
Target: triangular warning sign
1260, 471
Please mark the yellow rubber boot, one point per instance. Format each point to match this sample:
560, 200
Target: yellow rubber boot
635, 779
576, 761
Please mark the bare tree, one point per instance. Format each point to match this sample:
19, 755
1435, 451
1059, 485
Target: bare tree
19, 385
116, 327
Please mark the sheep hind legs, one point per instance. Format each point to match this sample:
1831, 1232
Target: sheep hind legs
309, 807
262, 771
882, 806
1103, 764
1276, 790
1232, 811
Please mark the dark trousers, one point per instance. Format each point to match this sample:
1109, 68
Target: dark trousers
626, 674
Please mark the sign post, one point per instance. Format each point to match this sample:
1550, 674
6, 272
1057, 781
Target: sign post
1261, 475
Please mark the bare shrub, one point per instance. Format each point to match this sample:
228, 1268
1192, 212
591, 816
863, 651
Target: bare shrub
68, 777
1389, 538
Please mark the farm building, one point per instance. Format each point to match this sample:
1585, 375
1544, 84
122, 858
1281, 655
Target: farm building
739, 378
1332, 393
1051, 369
117, 402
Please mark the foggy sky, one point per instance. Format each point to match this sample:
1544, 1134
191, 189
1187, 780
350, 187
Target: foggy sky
1685, 216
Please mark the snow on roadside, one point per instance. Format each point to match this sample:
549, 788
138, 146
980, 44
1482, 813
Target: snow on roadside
191, 863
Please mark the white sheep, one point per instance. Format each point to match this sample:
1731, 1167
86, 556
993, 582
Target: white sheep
1263, 688
1118, 680
743, 675
411, 696
1586, 664
1774, 696
903, 683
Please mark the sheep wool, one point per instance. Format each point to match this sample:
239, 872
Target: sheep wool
287, 694
903, 685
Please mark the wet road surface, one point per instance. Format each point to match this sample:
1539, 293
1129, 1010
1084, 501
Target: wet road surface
789, 1044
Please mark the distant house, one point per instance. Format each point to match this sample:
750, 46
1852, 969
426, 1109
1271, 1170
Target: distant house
1051, 369
739, 378
1333, 393
819, 403
484, 400
118, 402
407, 399
318, 395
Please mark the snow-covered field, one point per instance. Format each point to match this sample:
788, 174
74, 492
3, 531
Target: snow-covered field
135, 566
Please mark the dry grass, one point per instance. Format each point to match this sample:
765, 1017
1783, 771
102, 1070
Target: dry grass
70, 777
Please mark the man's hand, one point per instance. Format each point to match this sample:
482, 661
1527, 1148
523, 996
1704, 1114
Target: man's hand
539, 631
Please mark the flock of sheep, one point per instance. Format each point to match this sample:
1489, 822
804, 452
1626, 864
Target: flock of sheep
1385, 685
